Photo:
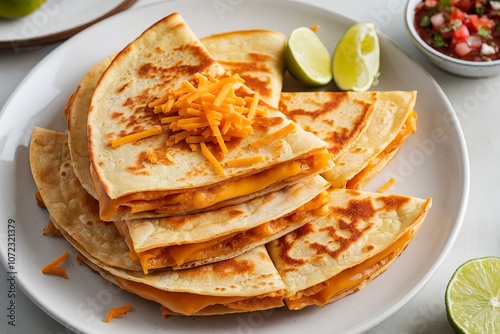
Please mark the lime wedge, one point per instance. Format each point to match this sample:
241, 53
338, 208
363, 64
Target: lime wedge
307, 58
12, 9
356, 60
473, 297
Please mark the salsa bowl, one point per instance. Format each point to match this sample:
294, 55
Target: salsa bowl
451, 64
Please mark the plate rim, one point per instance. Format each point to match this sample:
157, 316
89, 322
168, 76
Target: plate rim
27, 43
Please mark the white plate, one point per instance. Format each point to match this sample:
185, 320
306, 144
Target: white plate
56, 20
433, 162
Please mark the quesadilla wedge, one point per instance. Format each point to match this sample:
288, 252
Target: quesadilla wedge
256, 55
194, 239
147, 178
246, 283
364, 130
180, 241
354, 239
72, 209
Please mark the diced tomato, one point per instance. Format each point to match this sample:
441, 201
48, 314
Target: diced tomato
461, 32
462, 49
457, 14
447, 33
464, 6
485, 22
471, 23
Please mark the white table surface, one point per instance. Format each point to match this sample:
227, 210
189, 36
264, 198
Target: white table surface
477, 104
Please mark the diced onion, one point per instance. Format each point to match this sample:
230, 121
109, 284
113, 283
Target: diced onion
437, 20
462, 49
487, 50
474, 41
495, 5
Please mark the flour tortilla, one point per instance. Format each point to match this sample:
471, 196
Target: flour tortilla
76, 120
354, 227
70, 206
358, 127
256, 55
118, 108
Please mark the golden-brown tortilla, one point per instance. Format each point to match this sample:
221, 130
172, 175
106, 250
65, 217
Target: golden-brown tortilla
256, 55
246, 283
76, 120
70, 206
355, 227
358, 128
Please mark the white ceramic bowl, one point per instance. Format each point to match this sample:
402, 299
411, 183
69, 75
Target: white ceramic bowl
447, 63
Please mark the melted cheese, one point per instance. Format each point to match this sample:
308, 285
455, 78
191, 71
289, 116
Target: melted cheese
349, 278
179, 302
409, 127
161, 201
179, 254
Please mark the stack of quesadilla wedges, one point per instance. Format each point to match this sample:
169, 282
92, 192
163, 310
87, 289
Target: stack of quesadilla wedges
163, 222
336, 251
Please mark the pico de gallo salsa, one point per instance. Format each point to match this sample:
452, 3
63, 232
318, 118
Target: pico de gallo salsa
463, 29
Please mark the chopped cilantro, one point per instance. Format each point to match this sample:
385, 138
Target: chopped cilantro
438, 41
483, 32
443, 4
479, 9
425, 22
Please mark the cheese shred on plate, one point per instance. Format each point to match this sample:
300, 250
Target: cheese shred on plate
54, 268
118, 312
386, 185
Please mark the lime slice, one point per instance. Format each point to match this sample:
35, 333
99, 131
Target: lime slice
12, 9
356, 60
307, 58
473, 297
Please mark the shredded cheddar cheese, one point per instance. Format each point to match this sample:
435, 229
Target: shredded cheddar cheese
387, 185
152, 157
155, 130
211, 158
245, 161
207, 111
118, 312
54, 268
273, 136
